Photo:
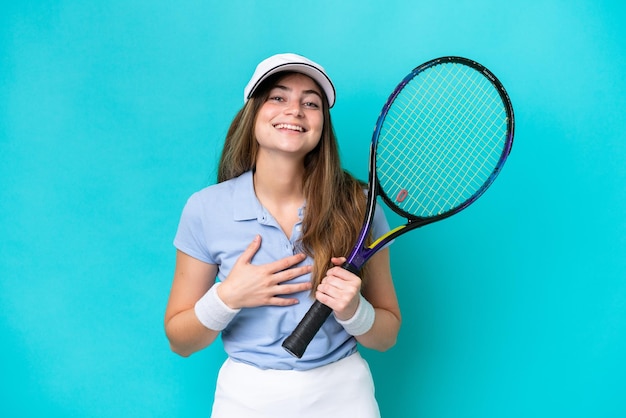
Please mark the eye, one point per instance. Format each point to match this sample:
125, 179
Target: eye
312, 105
276, 98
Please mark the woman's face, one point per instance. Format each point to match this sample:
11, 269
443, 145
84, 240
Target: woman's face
290, 121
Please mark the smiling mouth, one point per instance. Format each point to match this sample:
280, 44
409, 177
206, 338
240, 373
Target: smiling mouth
287, 126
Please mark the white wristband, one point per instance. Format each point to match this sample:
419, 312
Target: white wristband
212, 312
362, 320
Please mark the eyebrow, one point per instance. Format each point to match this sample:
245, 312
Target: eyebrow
281, 87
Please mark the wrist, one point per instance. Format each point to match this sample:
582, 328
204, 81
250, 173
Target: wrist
212, 312
362, 320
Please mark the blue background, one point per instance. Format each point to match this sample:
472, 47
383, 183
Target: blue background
113, 112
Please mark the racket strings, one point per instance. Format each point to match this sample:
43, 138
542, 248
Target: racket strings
441, 139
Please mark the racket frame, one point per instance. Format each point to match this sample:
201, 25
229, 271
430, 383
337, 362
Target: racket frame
362, 252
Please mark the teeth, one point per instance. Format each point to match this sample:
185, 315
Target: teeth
290, 127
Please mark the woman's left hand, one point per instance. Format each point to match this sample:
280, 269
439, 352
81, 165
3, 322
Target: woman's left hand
340, 290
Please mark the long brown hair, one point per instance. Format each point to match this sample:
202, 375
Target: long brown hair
335, 200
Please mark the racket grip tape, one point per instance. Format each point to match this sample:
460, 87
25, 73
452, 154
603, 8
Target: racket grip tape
299, 340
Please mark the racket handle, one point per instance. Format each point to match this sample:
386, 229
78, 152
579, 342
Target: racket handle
300, 338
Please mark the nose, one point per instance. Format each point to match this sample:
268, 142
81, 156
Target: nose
294, 108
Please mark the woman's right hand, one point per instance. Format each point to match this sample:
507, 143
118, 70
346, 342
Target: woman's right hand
250, 285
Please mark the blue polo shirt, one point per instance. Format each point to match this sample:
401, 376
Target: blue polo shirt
216, 226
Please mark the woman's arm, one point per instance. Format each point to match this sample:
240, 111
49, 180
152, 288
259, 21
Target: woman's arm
192, 279
380, 292
341, 290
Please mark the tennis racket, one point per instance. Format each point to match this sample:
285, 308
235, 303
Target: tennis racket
439, 142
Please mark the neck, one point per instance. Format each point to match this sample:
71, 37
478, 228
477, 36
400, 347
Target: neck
279, 182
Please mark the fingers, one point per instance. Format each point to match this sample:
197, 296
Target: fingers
286, 263
250, 284
283, 264
339, 290
290, 274
280, 300
340, 276
250, 251
280, 289
338, 261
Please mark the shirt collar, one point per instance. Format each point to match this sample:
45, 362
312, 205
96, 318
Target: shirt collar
246, 204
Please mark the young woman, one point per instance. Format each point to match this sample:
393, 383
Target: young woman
273, 232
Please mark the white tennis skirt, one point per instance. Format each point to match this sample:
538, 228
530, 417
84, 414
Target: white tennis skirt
343, 389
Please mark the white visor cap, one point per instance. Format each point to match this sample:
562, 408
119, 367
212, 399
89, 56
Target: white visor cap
290, 62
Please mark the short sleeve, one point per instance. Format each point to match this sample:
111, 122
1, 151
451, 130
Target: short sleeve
190, 237
380, 225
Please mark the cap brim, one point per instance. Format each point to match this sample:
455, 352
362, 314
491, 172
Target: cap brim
303, 68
